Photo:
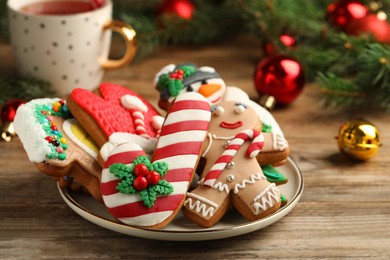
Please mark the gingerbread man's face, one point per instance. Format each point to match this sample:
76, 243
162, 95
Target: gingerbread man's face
231, 117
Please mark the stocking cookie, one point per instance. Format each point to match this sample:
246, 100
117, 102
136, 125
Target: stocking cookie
232, 175
139, 191
113, 109
57, 144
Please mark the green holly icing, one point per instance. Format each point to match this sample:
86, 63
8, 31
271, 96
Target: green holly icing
172, 83
273, 175
44, 114
283, 199
149, 194
266, 128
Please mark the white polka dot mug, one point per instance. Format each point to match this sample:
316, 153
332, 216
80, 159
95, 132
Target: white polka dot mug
66, 47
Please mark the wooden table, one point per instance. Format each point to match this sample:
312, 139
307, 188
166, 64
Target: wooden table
344, 210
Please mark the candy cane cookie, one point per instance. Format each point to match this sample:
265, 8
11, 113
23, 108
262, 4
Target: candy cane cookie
58, 145
232, 174
139, 191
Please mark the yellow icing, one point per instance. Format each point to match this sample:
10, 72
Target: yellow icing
83, 136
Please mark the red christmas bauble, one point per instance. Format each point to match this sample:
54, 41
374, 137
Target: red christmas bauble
370, 24
8, 111
279, 76
341, 13
181, 8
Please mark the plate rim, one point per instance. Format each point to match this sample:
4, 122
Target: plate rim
94, 218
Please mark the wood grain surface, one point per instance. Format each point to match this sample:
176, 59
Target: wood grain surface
344, 211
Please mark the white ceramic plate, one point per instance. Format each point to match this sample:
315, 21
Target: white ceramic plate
181, 229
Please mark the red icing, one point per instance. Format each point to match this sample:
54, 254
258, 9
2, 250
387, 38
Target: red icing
230, 125
108, 111
140, 170
164, 203
153, 177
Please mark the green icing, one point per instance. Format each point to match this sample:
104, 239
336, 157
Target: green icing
266, 128
273, 175
283, 198
126, 174
171, 83
41, 114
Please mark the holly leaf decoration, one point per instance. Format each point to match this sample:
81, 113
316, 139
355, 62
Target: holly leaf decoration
142, 160
148, 196
163, 187
126, 187
122, 171
160, 167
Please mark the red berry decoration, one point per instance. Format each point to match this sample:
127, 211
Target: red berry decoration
140, 183
153, 177
279, 76
140, 170
181, 8
343, 12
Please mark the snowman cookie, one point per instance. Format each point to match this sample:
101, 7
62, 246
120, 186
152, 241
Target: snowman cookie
58, 145
231, 174
181, 78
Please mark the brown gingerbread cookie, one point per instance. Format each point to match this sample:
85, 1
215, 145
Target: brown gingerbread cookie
58, 145
232, 174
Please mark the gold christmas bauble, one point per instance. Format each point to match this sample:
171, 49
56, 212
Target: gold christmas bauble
359, 139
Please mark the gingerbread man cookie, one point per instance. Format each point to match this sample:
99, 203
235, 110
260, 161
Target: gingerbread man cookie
57, 144
142, 191
113, 109
232, 175
175, 79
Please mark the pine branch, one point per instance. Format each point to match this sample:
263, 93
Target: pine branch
25, 89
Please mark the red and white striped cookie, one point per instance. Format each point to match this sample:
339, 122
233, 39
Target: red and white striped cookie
179, 145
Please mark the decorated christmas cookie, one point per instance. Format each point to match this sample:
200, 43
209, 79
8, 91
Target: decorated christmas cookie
57, 144
113, 109
143, 191
232, 175
174, 79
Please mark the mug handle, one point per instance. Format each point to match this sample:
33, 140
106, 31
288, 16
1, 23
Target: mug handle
128, 34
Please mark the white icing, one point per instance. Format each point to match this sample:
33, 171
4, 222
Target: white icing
199, 207
219, 110
181, 137
207, 69
30, 131
267, 196
157, 122
193, 96
183, 115
133, 102
279, 142
115, 139
252, 180
181, 161
218, 166
147, 219
107, 176
221, 187
67, 127
118, 199
167, 69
